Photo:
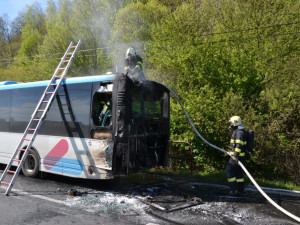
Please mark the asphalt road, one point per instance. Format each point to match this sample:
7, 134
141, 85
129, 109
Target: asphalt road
139, 200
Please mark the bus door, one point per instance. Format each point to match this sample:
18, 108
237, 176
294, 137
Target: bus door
101, 143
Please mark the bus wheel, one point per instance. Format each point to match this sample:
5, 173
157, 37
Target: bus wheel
31, 164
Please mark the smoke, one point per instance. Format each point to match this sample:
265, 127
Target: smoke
92, 21
113, 47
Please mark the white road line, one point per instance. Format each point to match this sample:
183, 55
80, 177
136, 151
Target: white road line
36, 196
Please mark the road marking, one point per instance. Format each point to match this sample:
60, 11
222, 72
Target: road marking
35, 196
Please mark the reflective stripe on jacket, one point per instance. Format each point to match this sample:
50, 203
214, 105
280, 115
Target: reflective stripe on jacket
238, 143
132, 63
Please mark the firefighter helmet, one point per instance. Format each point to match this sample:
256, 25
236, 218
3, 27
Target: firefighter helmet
130, 52
235, 121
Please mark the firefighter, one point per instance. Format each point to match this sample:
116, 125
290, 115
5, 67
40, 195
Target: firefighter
106, 108
238, 141
134, 64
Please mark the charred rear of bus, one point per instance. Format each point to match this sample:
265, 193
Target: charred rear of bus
140, 125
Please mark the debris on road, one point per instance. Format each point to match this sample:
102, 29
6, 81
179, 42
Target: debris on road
75, 192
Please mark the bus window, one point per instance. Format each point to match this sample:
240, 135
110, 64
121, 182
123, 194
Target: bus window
136, 107
24, 101
5, 106
165, 105
102, 106
152, 104
69, 110
152, 107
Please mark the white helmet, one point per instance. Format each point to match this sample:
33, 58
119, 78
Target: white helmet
130, 52
235, 121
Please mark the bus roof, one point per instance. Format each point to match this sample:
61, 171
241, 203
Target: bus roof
5, 85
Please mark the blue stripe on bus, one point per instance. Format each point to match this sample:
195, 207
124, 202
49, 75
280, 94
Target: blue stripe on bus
68, 166
8, 82
71, 80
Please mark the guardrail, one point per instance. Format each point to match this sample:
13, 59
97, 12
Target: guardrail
190, 158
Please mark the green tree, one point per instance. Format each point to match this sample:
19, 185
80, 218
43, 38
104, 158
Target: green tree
10, 39
228, 57
33, 31
132, 27
89, 21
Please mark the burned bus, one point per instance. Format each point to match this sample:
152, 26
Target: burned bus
80, 139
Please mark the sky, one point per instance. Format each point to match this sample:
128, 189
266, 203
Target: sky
13, 7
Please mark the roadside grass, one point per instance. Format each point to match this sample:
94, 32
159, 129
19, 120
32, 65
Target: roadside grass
220, 177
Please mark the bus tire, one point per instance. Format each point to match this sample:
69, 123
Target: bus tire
31, 164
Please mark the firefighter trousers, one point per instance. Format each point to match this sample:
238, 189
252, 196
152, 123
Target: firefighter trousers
235, 176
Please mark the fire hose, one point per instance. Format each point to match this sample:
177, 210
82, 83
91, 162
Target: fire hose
239, 163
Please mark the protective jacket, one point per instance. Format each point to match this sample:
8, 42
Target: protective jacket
134, 67
238, 143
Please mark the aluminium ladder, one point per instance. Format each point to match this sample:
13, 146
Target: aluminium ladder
38, 116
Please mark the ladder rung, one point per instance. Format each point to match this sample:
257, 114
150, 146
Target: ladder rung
53, 84
45, 101
48, 93
41, 110
27, 139
62, 68
66, 61
36, 119
31, 129
16, 160
22, 149
2, 182
58, 77
73, 46
11, 171
70, 54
